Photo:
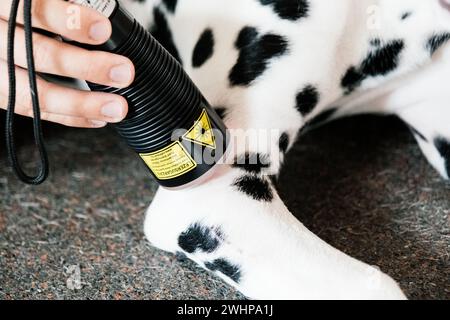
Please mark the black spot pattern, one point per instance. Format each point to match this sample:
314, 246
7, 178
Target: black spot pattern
406, 15
307, 100
171, 5
246, 37
252, 162
199, 237
256, 187
223, 266
443, 146
162, 33
288, 9
436, 41
379, 62
284, 142
383, 60
352, 80
255, 52
376, 42
204, 48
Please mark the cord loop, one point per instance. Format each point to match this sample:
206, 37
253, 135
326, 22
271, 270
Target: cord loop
37, 126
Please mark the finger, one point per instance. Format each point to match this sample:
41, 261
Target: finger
69, 121
72, 21
76, 122
55, 57
55, 99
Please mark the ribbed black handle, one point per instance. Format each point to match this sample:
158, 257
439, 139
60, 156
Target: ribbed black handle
162, 98
162, 101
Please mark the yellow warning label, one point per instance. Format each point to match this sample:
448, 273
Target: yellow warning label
170, 162
202, 132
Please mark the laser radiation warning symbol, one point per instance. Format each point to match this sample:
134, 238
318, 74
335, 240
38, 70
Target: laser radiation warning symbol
202, 132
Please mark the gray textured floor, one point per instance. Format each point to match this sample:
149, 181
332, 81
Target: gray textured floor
360, 184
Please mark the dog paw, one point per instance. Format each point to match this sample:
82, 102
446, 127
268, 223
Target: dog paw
380, 286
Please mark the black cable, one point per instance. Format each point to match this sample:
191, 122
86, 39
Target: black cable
10, 140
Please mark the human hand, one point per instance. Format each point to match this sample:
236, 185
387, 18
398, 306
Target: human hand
59, 104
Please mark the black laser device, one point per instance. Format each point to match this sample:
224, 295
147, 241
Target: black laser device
170, 124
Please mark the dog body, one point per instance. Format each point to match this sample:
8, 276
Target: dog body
286, 66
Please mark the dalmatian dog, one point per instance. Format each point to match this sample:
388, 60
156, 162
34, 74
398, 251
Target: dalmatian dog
287, 66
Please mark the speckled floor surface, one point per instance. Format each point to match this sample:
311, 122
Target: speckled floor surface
360, 184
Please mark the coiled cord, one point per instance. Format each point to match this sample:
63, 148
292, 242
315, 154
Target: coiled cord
42, 174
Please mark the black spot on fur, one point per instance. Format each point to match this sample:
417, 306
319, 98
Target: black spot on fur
246, 37
379, 62
437, 41
289, 9
171, 5
162, 33
383, 60
352, 79
443, 146
255, 187
406, 15
375, 42
199, 237
254, 56
284, 142
228, 269
252, 162
307, 100
203, 49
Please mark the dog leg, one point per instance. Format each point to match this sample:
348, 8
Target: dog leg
430, 124
237, 227
429, 116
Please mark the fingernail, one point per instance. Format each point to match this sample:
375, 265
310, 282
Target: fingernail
113, 110
121, 73
99, 31
97, 124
